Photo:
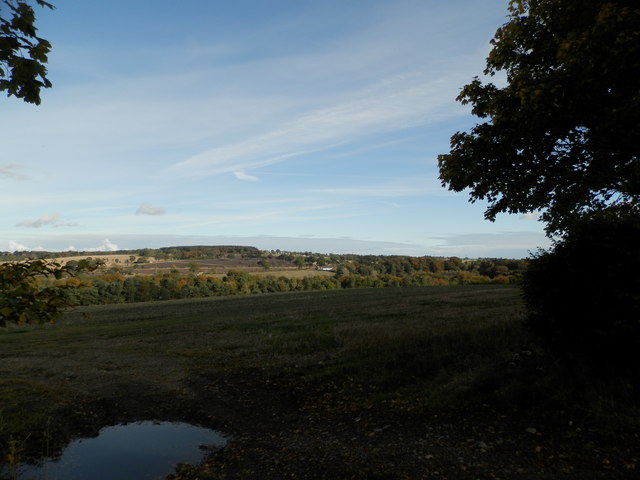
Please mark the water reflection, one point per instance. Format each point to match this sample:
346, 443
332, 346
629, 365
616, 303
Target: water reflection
143, 450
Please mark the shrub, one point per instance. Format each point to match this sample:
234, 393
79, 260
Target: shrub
583, 297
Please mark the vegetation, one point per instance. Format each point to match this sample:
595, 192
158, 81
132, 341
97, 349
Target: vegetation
181, 272
591, 322
562, 135
23, 54
354, 384
562, 138
24, 298
365, 383
125, 284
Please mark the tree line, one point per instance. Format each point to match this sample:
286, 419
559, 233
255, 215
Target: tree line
115, 287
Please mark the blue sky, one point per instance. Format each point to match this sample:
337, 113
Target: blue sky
299, 125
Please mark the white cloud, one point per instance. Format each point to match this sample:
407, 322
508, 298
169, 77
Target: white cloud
530, 216
18, 247
9, 171
106, 246
49, 219
246, 177
148, 209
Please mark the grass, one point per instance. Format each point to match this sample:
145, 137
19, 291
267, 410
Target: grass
407, 334
397, 351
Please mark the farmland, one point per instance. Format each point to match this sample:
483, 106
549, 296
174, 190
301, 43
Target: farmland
152, 265
420, 382
219, 260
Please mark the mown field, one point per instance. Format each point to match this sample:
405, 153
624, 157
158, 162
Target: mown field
421, 382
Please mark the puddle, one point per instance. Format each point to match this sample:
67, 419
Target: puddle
143, 450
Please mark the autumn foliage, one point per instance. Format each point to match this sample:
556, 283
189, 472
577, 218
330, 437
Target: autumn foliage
26, 298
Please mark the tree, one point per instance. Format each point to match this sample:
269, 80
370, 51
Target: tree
563, 135
24, 300
22, 74
299, 261
23, 54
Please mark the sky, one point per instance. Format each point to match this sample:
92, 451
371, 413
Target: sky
296, 125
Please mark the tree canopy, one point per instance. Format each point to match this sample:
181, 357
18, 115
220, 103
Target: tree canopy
22, 297
23, 54
563, 135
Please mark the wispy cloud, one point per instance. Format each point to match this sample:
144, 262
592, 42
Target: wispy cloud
396, 103
399, 188
354, 101
148, 209
263, 214
51, 219
10, 171
246, 177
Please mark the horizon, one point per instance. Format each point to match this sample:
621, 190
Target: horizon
314, 124
113, 250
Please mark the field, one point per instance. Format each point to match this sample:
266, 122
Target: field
109, 259
219, 266
396, 383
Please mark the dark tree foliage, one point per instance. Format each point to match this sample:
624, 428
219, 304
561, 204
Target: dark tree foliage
22, 297
563, 135
584, 296
23, 54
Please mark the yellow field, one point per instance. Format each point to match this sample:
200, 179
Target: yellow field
108, 259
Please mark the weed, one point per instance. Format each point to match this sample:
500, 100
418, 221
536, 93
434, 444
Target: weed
14, 456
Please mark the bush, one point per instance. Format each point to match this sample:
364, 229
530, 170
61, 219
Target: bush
583, 297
